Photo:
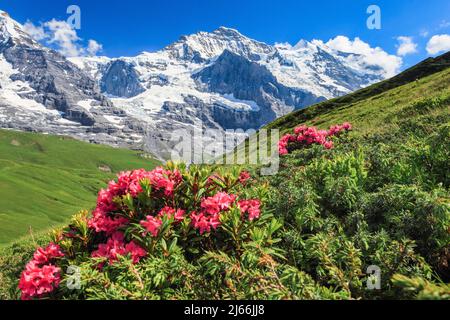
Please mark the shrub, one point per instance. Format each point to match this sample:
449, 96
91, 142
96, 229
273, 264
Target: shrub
157, 231
372, 200
305, 136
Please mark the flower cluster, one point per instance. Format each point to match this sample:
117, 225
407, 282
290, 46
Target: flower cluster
244, 177
40, 276
140, 209
116, 246
304, 135
152, 223
130, 182
209, 215
251, 207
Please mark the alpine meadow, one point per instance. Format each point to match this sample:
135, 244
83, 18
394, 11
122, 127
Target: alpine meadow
93, 208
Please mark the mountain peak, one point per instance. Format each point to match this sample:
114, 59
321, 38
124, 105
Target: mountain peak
302, 44
203, 46
227, 31
11, 29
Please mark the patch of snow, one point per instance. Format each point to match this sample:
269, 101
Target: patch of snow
86, 104
11, 89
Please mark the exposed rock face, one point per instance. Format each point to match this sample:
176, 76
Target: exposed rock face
57, 83
121, 80
247, 80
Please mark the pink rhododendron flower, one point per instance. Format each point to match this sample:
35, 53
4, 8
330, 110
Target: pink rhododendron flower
251, 207
114, 217
220, 202
37, 281
115, 246
135, 251
347, 126
102, 222
152, 225
177, 214
299, 130
328, 145
43, 256
204, 222
244, 177
311, 135
129, 182
209, 216
40, 277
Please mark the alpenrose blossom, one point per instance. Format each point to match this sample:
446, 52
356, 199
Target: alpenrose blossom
251, 207
244, 177
37, 281
40, 277
112, 219
220, 202
130, 182
209, 216
152, 225
311, 135
178, 215
43, 256
116, 246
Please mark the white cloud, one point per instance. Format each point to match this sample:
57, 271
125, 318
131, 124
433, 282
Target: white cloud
406, 46
36, 32
94, 47
372, 56
438, 43
62, 37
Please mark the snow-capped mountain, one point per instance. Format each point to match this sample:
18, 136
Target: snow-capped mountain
217, 80
40, 90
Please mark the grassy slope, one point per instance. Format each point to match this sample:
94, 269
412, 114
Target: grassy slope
45, 179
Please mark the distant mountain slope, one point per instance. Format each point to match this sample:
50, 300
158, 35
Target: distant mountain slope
379, 107
46, 179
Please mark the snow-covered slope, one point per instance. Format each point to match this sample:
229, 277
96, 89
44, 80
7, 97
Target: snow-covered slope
40, 90
210, 80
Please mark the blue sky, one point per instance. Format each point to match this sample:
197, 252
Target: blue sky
132, 26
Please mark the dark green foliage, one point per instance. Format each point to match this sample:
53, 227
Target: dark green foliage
377, 200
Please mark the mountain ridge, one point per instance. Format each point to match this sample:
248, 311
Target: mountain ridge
137, 102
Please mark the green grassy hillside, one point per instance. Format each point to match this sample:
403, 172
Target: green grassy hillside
45, 179
381, 196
